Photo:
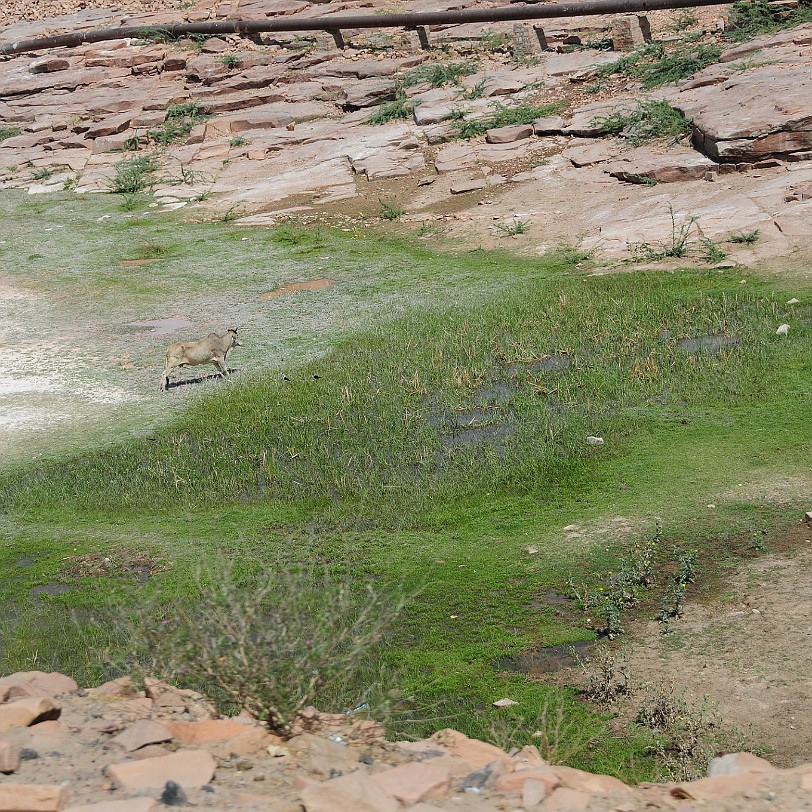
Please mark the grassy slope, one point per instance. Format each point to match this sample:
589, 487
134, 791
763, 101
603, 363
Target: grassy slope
364, 468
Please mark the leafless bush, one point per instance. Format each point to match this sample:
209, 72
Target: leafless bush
272, 644
558, 735
688, 735
607, 675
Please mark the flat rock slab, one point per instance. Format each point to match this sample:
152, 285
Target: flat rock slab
758, 114
646, 164
509, 134
32, 798
26, 712
191, 769
577, 61
130, 805
142, 733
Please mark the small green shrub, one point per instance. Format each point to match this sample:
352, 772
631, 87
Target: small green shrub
512, 229
400, 108
7, 131
649, 120
504, 117
656, 64
755, 17
439, 74
746, 237
237, 141
684, 20
133, 175
495, 42
180, 119
712, 252
688, 735
42, 173
390, 211
231, 61
272, 644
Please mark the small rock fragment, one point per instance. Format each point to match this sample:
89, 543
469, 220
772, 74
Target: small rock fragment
594, 440
504, 703
9, 757
26, 712
782, 330
32, 798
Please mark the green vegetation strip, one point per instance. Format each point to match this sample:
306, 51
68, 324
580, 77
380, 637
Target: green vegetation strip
440, 455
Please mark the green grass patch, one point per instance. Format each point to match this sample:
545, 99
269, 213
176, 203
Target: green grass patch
756, 17
440, 74
658, 64
429, 453
133, 175
399, 109
503, 116
648, 121
179, 122
7, 131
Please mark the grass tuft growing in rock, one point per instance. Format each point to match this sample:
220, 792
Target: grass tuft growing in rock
650, 120
438, 74
503, 116
398, 109
755, 17
180, 119
658, 64
7, 131
133, 175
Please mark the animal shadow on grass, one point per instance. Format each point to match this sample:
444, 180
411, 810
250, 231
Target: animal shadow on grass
214, 376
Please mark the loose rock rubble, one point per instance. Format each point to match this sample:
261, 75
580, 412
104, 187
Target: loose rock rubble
114, 748
286, 126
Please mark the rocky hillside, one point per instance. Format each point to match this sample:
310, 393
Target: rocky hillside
294, 127
114, 748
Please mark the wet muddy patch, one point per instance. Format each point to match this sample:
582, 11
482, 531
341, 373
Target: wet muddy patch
161, 327
712, 343
546, 660
51, 590
293, 287
490, 419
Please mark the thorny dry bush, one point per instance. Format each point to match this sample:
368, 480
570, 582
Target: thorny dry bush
272, 644
558, 736
607, 675
688, 735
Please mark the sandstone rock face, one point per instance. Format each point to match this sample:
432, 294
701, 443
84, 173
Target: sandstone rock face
25, 712
366, 93
212, 730
507, 135
664, 166
32, 798
752, 115
190, 769
131, 805
9, 757
37, 683
350, 793
142, 733
412, 783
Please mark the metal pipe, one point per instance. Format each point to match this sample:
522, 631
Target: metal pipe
543, 11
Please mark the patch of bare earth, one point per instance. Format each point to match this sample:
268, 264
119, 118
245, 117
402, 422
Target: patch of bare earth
747, 649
